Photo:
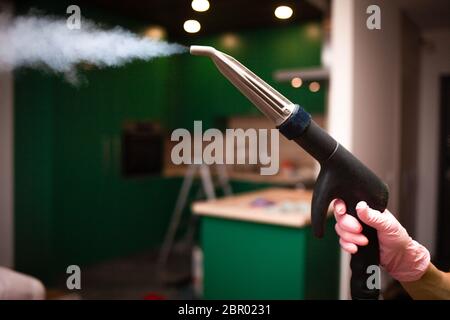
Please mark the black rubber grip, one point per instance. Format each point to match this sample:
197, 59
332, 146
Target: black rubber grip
363, 285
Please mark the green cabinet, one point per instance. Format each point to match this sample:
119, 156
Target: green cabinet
246, 260
72, 204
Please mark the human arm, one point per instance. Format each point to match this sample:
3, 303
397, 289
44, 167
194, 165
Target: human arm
402, 257
433, 285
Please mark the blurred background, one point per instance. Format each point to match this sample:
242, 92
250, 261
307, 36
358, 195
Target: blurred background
86, 177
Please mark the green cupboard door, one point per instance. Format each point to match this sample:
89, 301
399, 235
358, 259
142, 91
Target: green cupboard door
80, 167
142, 204
33, 172
246, 260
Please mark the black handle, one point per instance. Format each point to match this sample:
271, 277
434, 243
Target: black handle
362, 284
342, 176
345, 178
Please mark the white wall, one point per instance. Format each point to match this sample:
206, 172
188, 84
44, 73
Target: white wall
6, 169
435, 61
364, 106
376, 90
340, 110
340, 104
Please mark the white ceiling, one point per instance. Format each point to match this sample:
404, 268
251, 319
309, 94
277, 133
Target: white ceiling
427, 14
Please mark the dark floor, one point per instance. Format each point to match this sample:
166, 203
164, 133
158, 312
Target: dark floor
136, 277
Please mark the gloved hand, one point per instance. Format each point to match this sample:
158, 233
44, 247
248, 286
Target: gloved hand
402, 257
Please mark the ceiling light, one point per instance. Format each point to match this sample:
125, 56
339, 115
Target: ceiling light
230, 40
200, 5
283, 12
192, 26
313, 31
314, 86
155, 32
296, 82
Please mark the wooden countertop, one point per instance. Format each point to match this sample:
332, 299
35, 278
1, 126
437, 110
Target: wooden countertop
290, 207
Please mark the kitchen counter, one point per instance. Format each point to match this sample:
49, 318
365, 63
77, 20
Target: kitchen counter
259, 245
290, 207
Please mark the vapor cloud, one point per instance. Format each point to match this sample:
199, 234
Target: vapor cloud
44, 42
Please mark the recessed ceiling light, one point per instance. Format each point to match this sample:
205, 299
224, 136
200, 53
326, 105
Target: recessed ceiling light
192, 26
230, 40
283, 12
314, 86
200, 5
155, 32
296, 82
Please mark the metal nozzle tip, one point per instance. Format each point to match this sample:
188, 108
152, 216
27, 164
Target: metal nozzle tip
272, 103
202, 51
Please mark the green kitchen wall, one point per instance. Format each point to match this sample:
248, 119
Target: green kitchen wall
72, 205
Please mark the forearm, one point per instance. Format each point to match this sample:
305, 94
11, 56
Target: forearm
434, 284
403, 258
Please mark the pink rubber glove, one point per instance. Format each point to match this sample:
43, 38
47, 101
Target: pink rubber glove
402, 257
